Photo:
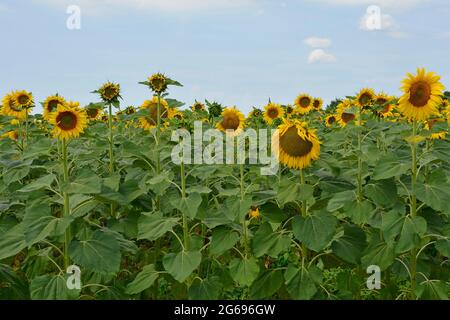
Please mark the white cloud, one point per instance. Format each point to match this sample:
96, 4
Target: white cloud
100, 6
319, 55
315, 42
397, 4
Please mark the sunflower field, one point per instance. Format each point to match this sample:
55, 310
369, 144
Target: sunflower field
362, 191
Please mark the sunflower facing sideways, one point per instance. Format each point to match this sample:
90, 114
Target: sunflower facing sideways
151, 121
422, 95
10, 109
330, 120
317, 104
94, 114
295, 145
51, 104
304, 103
365, 97
232, 121
68, 122
344, 114
109, 92
272, 111
23, 99
384, 108
198, 106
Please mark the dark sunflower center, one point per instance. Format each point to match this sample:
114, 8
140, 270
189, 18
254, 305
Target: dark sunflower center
52, 105
66, 120
420, 94
365, 99
23, 99
316, 104
230, 121
92, 112
198, 107
304, 102
110, 92
331, 120
272, 113
347, 117
289, 110
293, 144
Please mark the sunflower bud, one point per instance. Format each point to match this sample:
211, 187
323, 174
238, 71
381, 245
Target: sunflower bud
158, 83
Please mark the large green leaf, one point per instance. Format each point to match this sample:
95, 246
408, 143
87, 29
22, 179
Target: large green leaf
154, 226
433, 290
41, 183
181, 265
339, 200
205, 289
244, 271
12, 242
390, 166
268, 242
86, 185
436, 192
99, 253
267, 284
382, 192
379, 253
289, 191
351, 245
189, 205
143, 280
13, 287
316, 230
443, 246
300, 283
52, 287
222, 240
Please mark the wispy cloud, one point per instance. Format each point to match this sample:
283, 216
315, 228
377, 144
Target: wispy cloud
316, 42
319, 55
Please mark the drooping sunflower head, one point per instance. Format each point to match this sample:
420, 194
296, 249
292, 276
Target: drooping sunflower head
151, 106
344, 114
130, 110
23, 99
330, 120
9, 108
289, 110
51, 104
198, 106
254, 212
68, 122
382, 104
214, 108
109, 92
422, 95
255, 113
158, 82
295, 145
365, 97
94, 114
174, 113
317, 103
273, 111
232, 121
304, 103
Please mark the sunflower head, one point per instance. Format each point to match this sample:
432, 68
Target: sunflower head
109, 92
365, 97
130, 110
174, 113
317, 103
51, 104
13, 135
232, 121
151, 106
198, 106
9, 108
23, 99
422, 95
289, 110
330, 120
214, 108
68, 122
94, 113
382, 105
158, 82
255, 113
304, 103
273, 111
295, 145
254, 212
344, 114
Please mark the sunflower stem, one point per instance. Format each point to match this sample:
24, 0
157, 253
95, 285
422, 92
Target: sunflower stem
26, 130
183, 195
304, 212
244, 220
67, 235
111, 153
413, 259
360, 187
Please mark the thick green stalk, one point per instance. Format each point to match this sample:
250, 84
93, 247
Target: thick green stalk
304, 212
67, 235
413, 206
158, 136
360, 188
244, 221
183, 196
111, 153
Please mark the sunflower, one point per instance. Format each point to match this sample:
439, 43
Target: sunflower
198, 106
232, 121
317, 103
255, 113
94, 114
158, 82
10, 109
130, 110
289, 110
68, 122
365, 97
343, 114
447, 112
422, 95
23, 99
51, 104
435, 135
254, 212
272, 111
151, 120
385, 109
295, 145
174, 113
304, 103
14, 122
330, 120
13, 135
109, 92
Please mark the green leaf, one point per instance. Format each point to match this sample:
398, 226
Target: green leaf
316, 230
267, 284
222, 240
409, 230
100, 253
388, 167
13, 287
143, 280
41, 183
181, 265
268, 242
340, 199
379, 253
205, 289
189, 205
289, 191
443, 246
433, 290
360, 212
299, 283
88, 185
351, 245
436, 192
51, 287
382, 192
12, 242
154, 226
244, 271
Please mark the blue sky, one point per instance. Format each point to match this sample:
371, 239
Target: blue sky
238, 52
